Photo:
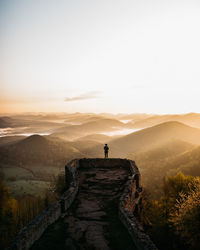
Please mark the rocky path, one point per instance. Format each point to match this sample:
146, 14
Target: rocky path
92, 222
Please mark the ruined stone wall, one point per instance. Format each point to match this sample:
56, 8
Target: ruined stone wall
129, 204
129, 209
130, 201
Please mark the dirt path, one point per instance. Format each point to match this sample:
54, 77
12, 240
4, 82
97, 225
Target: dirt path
92, 222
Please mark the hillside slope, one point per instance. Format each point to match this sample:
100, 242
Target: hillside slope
38, 149
191, 119
155, 135
165, 160
76, 131
188, 163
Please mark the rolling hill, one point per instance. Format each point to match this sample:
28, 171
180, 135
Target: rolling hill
97, 126
8, 122
38, 149
155, 135
188, 163
162, 152
96, 137
190, 119
165, 160
10, 139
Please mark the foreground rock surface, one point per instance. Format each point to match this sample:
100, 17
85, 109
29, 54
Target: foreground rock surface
92, 221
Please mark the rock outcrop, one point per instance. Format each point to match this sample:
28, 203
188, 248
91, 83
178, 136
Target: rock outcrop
99, 210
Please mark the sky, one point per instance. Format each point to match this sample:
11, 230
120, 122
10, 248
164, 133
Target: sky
136, 56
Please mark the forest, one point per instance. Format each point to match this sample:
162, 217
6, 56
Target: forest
16, 213
172, 221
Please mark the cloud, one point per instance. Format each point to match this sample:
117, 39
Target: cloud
86, 96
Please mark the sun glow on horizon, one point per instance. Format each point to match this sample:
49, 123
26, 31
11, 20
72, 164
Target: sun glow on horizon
90, 56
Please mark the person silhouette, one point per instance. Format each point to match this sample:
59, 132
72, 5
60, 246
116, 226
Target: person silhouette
106, 148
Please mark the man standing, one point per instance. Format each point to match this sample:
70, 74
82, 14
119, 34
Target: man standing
106, 148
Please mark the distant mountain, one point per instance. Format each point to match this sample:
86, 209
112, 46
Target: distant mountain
37, 149
10, 139
162, 152
27, 124
87, 147
100, 125
155, 135
96, 137
188, 163
166, 159
6, 122
134, 117
84, 118
191, 119
34, 142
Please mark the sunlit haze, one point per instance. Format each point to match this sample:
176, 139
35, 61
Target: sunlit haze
100, 56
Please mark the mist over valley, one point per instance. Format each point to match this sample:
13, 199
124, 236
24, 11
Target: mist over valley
41, 144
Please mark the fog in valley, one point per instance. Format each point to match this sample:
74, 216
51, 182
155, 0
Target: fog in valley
35, 147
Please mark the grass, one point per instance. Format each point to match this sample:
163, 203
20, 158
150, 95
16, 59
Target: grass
49, 170
29, 182
28, 187
18, 173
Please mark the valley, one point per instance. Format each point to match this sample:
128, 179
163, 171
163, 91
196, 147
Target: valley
34, 148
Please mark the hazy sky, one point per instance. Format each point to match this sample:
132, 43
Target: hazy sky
100, 56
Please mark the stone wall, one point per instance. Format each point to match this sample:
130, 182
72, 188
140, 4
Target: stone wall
130, 201
129, 205
129, 209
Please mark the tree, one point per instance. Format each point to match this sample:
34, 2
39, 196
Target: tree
59, 185
172, 218
8, 218
186, 218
